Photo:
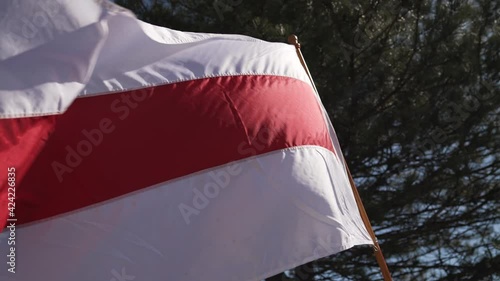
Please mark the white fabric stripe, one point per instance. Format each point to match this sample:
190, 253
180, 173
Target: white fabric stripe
250, 219
131, 59
107, 50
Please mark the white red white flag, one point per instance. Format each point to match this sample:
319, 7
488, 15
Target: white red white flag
135, 152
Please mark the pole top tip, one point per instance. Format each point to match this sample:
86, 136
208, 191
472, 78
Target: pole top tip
294, 40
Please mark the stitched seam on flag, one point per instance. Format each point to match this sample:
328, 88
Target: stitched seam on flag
191, 79
36, 114
250, 158
117, 91
295, 148
215, 36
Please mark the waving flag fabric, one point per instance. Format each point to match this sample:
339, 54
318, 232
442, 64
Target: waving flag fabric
135, 152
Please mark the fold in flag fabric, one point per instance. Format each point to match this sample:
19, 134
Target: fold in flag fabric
135, 152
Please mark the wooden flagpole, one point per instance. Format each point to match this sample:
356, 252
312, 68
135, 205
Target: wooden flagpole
292, 39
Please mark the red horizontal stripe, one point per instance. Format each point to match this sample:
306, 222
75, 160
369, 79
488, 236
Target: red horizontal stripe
109, 145
21, 140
